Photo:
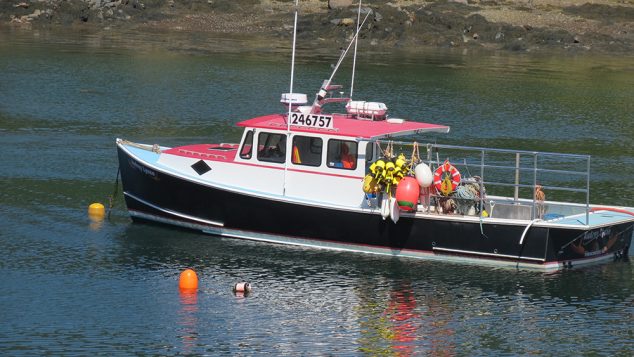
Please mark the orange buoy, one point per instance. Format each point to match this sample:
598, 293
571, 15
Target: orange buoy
188, 280
407, 193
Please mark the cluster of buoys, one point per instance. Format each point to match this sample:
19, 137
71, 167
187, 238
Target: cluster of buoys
408, 176
413, 177
385, 173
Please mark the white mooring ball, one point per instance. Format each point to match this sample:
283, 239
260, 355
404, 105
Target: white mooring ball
423, 175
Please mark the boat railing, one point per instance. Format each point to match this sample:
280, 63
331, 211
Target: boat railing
522, 172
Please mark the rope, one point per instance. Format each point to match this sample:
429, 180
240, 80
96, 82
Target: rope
415, 157
114, 193
154, 148
466, 196
389, 150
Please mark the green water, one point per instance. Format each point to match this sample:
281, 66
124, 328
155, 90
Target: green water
75, 287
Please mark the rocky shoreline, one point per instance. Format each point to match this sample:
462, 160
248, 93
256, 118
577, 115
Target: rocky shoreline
603, 26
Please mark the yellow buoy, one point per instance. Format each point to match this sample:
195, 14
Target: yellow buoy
96, 210
188, 280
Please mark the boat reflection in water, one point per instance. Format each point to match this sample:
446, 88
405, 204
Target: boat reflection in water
406, 324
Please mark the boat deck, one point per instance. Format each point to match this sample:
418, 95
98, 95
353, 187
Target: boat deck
213, 152
599, 218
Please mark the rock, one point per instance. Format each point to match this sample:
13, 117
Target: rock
347, 21
337, 4
475, 36
335, 22
374, 42
499, 36
23, 5
464, 2
576, 39
377, 17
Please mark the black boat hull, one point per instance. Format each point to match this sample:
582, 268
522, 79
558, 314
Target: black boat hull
158, 196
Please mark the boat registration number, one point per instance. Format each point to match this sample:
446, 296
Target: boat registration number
312, 120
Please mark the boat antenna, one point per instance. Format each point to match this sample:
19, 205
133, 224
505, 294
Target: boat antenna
290, 104
354, 59
324, 88
344, 53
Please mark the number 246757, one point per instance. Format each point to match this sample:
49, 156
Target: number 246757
312, 120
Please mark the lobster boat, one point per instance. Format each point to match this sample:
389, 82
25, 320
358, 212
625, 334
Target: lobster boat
360, 180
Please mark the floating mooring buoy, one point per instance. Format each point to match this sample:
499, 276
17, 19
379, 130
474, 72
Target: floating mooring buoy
242, 288
96, 211
188, 280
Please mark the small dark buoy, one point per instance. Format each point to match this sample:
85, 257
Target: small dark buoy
242, 288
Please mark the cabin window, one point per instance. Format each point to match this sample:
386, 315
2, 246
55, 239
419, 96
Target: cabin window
306, 150
369, 152
342, 154
272, 147
247, 146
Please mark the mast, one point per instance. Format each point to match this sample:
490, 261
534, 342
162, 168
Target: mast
290, 106
325, 87
356, 40
288, 122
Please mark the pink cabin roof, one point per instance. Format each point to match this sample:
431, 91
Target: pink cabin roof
344, 125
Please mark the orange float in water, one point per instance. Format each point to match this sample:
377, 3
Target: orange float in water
407, 193
188, 280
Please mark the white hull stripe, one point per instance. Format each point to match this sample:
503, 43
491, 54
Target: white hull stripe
174, 213
459, 251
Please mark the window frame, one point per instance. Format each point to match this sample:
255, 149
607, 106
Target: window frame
332, 163
266, 147
310, 147
248, 139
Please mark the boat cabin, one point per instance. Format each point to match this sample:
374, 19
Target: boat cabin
318, 157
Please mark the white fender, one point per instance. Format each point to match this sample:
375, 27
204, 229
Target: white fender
385, 207
394, 210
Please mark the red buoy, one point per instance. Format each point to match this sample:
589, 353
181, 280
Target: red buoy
407, 193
